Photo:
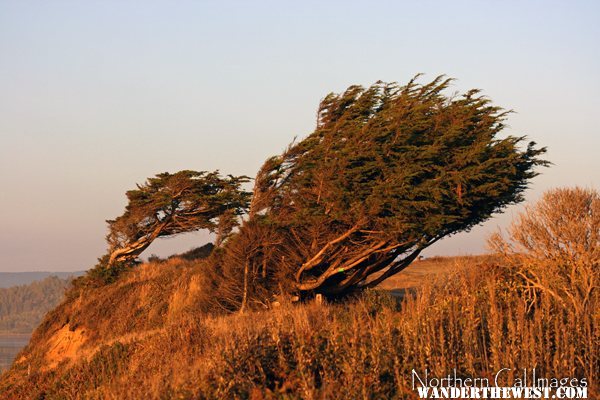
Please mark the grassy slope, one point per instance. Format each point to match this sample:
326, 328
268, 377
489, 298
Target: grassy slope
146, 336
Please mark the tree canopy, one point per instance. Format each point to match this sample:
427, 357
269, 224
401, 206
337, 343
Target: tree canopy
169, 204
388, 171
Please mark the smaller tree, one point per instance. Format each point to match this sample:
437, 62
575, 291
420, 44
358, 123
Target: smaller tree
169, 204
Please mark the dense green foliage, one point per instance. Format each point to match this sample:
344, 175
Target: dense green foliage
23, 307
170, 204
388, 171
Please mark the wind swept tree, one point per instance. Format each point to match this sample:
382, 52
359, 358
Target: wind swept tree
170, 204
388, 171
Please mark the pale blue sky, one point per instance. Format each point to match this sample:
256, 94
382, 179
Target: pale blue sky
98, 95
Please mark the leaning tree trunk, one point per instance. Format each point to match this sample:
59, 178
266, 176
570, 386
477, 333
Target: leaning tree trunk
132, 250
355, 259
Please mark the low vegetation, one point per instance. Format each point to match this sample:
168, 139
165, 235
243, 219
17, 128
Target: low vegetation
475, 320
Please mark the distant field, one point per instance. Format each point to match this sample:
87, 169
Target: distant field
424, 270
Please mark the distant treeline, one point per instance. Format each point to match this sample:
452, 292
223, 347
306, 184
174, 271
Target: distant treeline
10, 279
22, 308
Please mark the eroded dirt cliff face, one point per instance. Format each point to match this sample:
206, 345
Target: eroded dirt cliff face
147, 301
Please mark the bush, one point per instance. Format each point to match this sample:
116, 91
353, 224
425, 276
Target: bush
555, 247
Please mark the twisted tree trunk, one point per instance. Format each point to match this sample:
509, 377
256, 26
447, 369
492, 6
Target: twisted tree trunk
133, 250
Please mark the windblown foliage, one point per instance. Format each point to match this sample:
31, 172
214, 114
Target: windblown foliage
388, 171
169, 204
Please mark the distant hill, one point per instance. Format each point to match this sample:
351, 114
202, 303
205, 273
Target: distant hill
9, 279
23, 307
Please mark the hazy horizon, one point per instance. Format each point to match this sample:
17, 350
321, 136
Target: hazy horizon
96, 97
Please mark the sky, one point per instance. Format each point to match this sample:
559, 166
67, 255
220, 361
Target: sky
96, 96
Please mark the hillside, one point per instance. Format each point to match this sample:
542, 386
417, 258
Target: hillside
23, 307
151, 334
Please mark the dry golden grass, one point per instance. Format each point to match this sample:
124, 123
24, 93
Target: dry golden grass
428, 269
475, 318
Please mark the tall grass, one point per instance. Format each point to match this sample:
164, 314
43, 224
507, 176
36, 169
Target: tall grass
476, 319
